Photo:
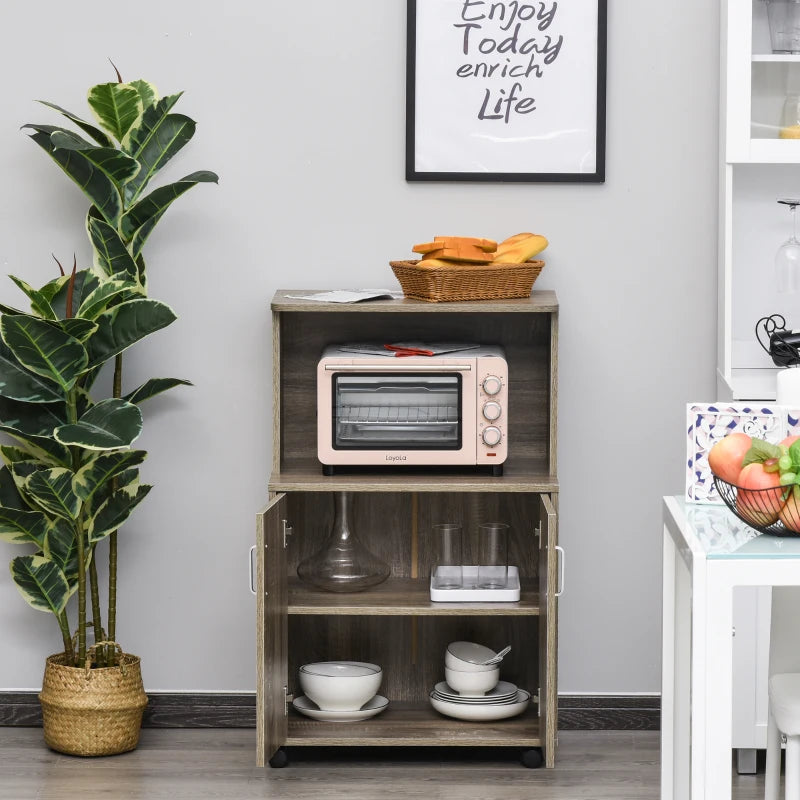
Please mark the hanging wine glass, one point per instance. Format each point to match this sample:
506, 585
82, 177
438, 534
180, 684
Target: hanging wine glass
787, 259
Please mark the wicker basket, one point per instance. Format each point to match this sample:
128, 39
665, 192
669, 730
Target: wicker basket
92, 712
441, 284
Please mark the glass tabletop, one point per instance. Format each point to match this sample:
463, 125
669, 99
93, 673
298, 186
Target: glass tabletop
720, 534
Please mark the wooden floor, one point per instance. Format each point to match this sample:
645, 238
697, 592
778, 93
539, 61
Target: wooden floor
182, 764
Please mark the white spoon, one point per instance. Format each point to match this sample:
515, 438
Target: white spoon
497, 658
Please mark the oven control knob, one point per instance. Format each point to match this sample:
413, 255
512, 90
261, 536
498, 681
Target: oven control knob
492, 410
491, 435
492, 384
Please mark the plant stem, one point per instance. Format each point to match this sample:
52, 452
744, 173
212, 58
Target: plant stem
63, 623
97, 622
72, 417
112, 539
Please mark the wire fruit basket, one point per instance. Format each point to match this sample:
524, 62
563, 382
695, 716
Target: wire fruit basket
772, 510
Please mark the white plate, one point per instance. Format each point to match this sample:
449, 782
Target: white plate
465, 702
474, 713
502, 691
370, 709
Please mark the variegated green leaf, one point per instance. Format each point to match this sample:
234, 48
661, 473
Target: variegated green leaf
114, 511
140, 236
44, 448
51, 490
153, 387
39, 302
41, 583
40, 419
124, 325
118, 167
111, 255
60, 545
12, 454
117, 107
85, 284
81, 329
97, 302
23, 527
155, 203
102, 468
156, 140
9, 494
89, 179
18, 383
44, 349
110, 424
86, 127
147, 92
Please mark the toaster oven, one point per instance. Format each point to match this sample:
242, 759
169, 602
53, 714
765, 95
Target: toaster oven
448, 409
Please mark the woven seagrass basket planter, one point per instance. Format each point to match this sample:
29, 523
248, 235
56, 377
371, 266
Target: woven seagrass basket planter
92, 711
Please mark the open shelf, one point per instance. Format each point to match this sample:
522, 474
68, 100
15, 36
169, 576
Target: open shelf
415, 725
404, 597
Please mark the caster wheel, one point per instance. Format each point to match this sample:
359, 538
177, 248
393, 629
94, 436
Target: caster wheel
280, 759
532, 759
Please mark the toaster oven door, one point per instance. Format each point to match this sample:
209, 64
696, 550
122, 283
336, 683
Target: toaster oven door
391, 411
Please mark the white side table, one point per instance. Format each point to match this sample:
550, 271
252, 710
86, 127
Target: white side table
707, 552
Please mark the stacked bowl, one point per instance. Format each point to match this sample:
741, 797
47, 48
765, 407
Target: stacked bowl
472, 689
340, 691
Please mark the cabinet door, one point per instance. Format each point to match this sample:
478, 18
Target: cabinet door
271, 629
548, 621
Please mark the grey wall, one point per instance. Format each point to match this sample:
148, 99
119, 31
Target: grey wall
301, 110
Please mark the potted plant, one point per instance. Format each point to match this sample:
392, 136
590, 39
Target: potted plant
70, 476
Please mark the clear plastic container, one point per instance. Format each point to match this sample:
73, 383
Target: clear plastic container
784, 25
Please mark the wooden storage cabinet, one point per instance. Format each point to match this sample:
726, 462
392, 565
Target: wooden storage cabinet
395, 624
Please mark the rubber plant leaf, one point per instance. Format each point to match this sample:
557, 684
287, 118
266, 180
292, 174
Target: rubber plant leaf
159, 200
124, 325
117, 107
51, 490
40, 419
18, 383
44, 349
40, 303
81, 329
159, 137
41, 583
44, 448
153, 387
86, 127
102, 468
9, 494
85, 284
18, 526
90, 180
60, 545
107, 425
111, 255
115, 510
147, 92
98, 301
118, 167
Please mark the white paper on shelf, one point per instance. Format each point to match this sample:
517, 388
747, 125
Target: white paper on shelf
348, 295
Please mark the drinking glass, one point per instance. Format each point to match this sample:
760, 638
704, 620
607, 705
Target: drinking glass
492, 555
448, 570
787, 259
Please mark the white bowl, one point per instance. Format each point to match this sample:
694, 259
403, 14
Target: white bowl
340, 685
463, 655
472, 684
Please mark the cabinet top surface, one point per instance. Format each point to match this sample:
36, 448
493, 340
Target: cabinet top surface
544, 301
713, 532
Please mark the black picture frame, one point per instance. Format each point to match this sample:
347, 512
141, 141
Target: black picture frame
438, 149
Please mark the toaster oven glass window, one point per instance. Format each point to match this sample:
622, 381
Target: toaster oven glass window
397, 412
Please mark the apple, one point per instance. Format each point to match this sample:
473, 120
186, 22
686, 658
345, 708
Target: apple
726, 456
789, 515
763, 503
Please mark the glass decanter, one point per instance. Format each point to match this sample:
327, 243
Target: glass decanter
787, 259
343, 564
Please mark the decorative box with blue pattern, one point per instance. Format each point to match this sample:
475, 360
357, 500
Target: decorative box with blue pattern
707, 423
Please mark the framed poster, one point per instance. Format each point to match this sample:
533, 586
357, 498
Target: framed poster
506, 91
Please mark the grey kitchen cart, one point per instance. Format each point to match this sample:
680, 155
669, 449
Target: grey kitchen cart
395, 624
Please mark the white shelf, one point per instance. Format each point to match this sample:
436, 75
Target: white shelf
785, 58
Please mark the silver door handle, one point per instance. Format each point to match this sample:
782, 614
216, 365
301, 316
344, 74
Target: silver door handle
561, 566
398, 368
250, 570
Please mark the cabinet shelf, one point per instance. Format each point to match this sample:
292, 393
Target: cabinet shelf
404, 597
517, 477
416, 725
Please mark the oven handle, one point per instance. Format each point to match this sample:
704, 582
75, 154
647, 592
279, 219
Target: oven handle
398, 368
